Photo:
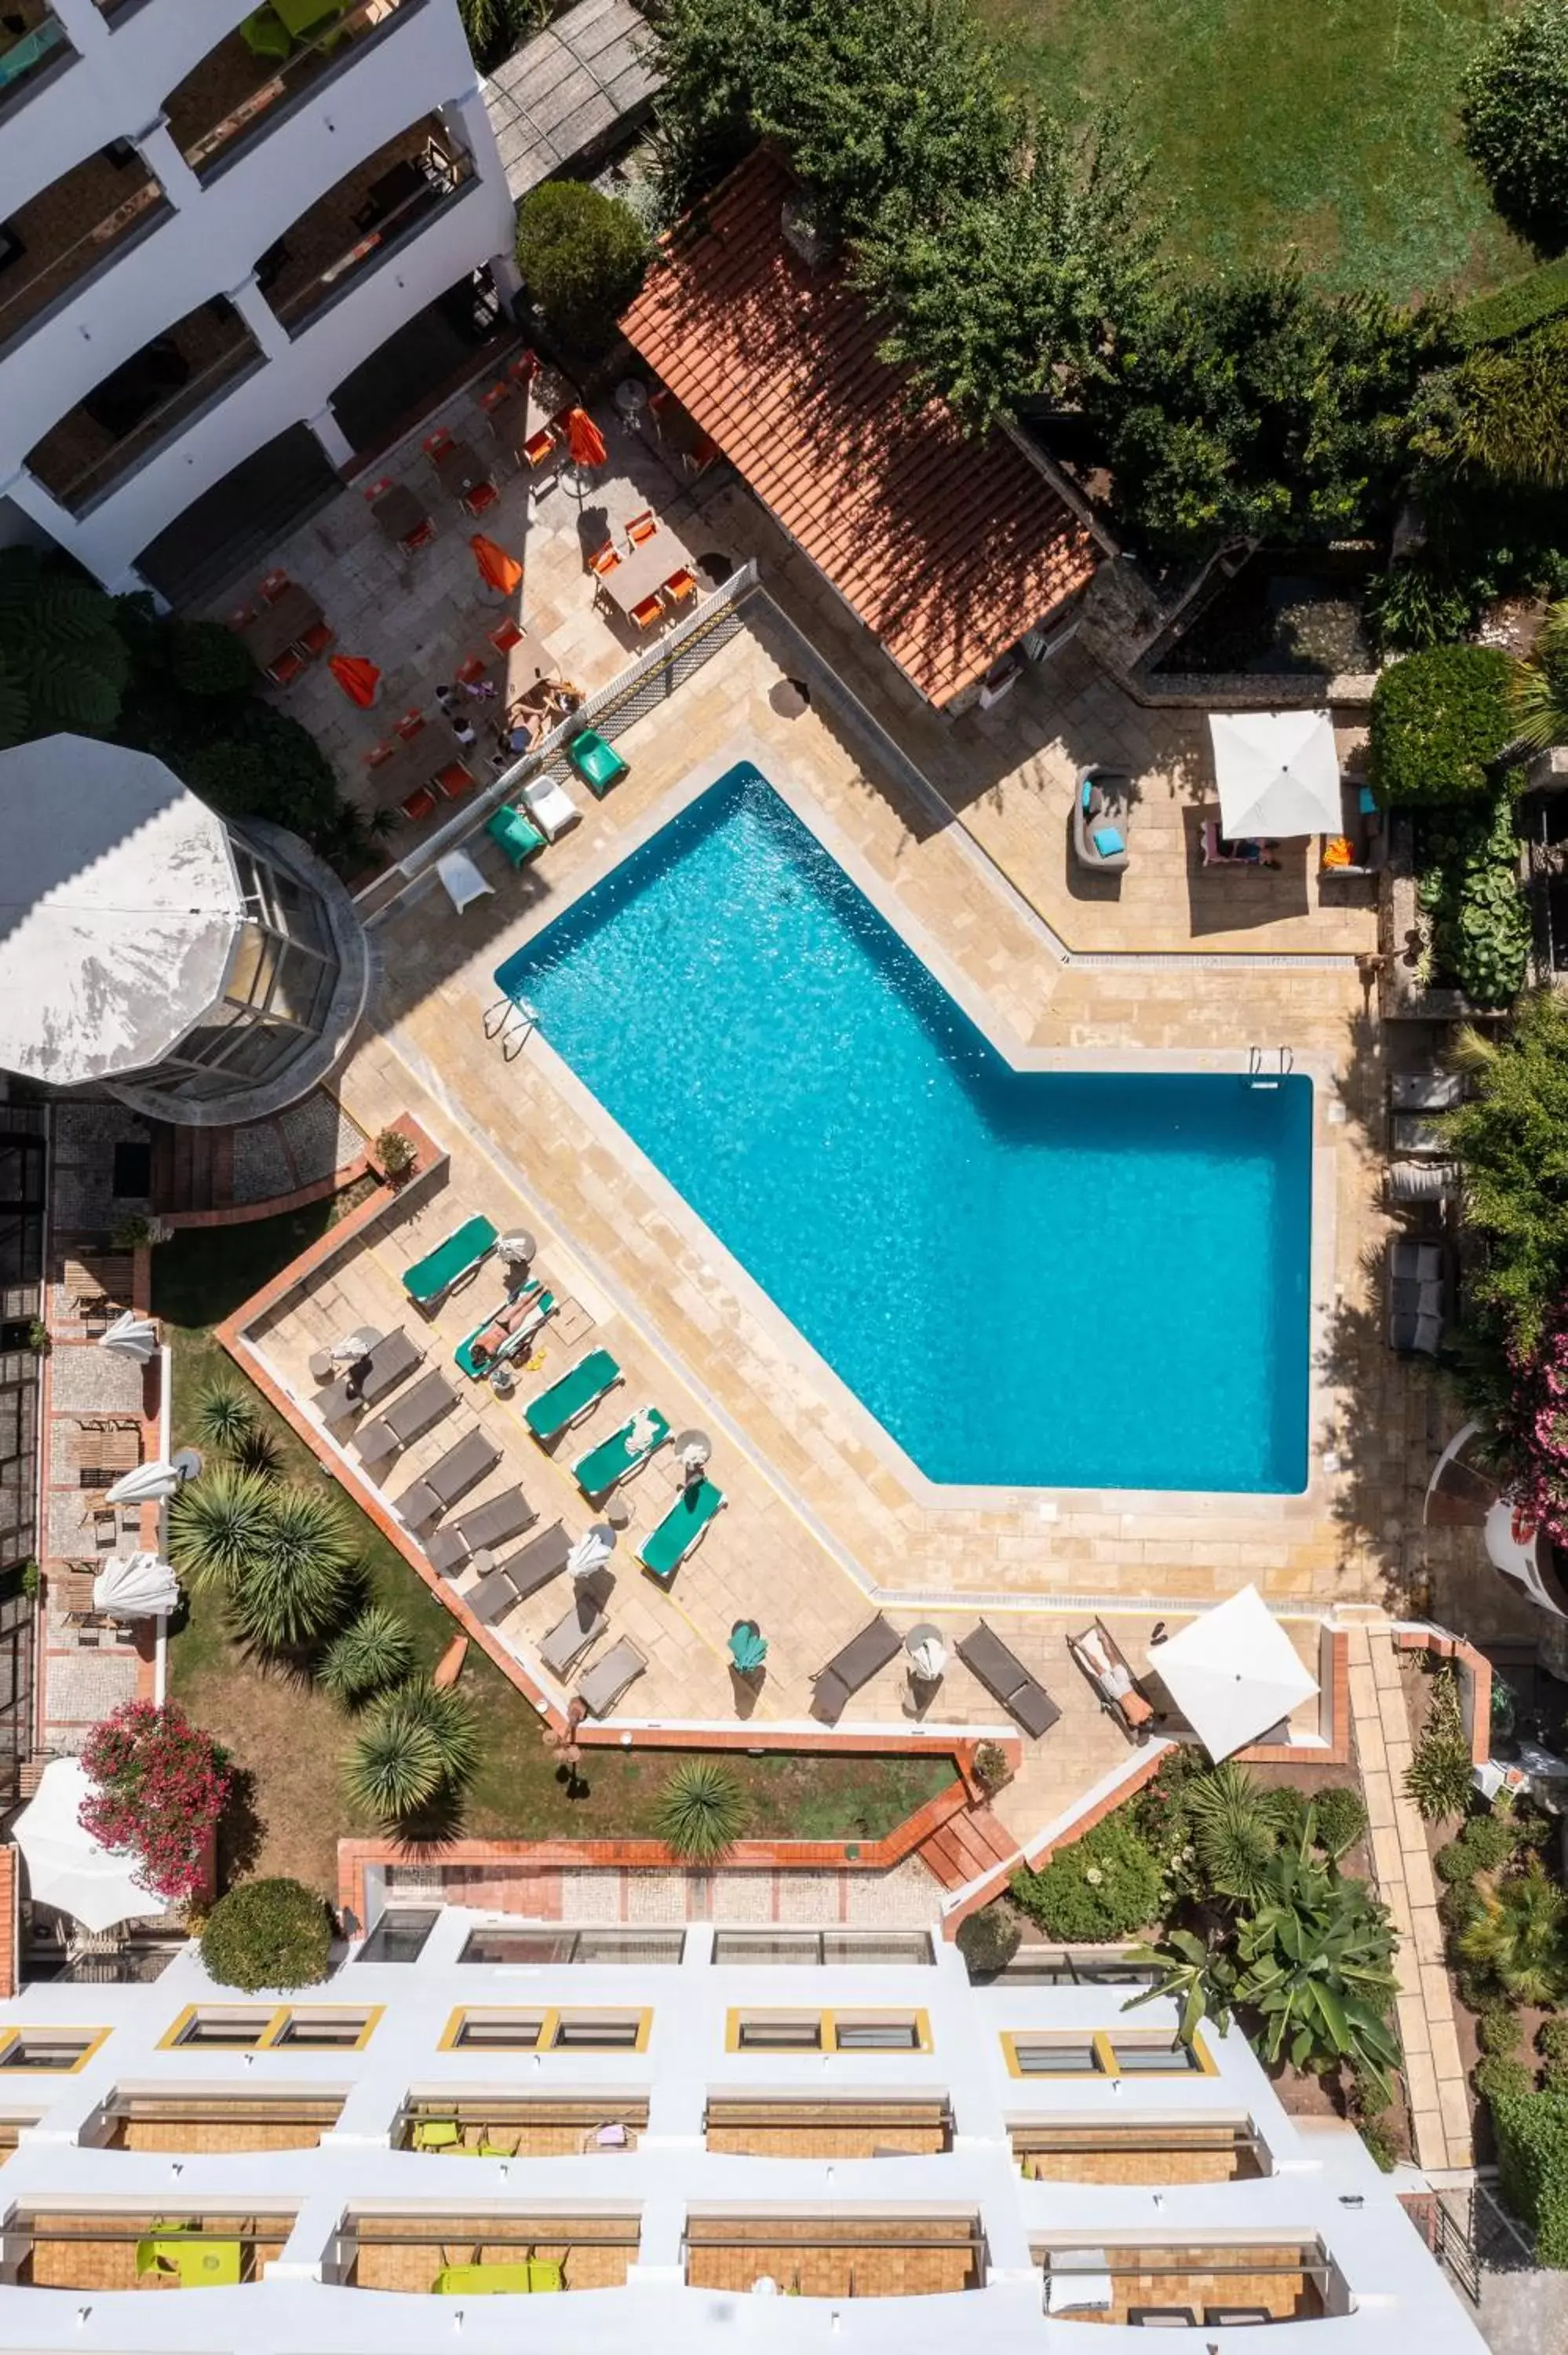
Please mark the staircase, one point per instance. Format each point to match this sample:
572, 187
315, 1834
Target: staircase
967, 1846
193, 1169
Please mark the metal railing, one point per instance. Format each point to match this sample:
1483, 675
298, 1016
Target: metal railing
96, 479
283, 82
446, 177
28, 303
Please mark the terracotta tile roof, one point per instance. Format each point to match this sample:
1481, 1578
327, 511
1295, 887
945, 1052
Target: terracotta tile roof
948, 548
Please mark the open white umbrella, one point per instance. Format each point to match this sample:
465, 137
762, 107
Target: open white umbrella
1278, 773
136, 1586
1232, 1673
67, 1868
148, 1484
595, 1546
132, 1336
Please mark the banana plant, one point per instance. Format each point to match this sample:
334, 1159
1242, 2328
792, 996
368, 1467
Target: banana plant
1198, 1975
1314, 1956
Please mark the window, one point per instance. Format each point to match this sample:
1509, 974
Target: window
875, 2035
548, 2030
311, 2028
1053, 2056
1155, 2058
1098, 2054
399, 1937
58, 2049
828, 2032
803, 2035
613, 2032
498, 2031
242, 2031
1033, 1966
318, 2032
875, 1949
533, 1947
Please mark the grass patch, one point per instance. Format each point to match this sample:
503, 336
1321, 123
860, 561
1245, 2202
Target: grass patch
289, 1739
1329, 131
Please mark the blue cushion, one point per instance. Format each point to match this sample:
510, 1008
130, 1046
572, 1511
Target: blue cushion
1088, 792
1367, 802
1107, 841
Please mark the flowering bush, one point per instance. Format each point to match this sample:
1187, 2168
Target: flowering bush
160, 1786
1539, 1429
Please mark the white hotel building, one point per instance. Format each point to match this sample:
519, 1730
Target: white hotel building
238, 247
490, 2135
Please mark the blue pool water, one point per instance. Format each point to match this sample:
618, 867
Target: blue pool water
1028, 1279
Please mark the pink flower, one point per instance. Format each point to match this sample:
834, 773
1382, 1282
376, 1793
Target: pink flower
161, 1786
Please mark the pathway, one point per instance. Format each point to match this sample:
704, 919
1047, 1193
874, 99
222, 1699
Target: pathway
1433, 2070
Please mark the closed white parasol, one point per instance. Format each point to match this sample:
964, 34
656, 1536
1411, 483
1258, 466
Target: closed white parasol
1278, 773
1232, 1673
136, 1586
594, 1547
131, 1336
70, 1870
148, 1484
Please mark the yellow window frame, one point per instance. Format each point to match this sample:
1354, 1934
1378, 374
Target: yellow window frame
1106, 2062
274, 2019
853, 2014
549, 2017
28, 2031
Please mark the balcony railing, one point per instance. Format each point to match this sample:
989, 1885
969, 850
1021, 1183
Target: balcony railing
79, 485
32, 56
408, 196
28, 297
239, 92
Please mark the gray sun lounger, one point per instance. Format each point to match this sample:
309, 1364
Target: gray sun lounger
417, 1412
541, 1559
853, 1666
385, 1366
506, 1516
1003, 1674
447, 1478
608, 1679
583, 1625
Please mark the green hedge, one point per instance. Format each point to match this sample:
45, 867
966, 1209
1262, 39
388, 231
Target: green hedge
1437, 718
1107, 1885
1532, 2158
267, 1933
1536, 295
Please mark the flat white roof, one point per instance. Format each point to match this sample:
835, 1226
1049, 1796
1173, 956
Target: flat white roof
119, 903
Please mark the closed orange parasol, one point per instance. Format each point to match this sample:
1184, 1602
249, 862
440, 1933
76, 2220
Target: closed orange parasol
584, 439
497, 568
360, 680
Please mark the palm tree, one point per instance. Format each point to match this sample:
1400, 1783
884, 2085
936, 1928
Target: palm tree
452, 1727
374, 1651
1315, 1960
224, 1419
294, 1586
1235, 1828
701, 1811
1516, 1938
1539, 693
220, 1525
395, 1767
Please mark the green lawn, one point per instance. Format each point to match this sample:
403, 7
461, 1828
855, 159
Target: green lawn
288, 1738
1323, 125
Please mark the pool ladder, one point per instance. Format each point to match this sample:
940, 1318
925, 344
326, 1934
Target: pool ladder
1257, 1076
510, 1022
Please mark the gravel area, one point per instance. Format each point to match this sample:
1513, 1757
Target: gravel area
321, 1135
261, 1165
89, 1379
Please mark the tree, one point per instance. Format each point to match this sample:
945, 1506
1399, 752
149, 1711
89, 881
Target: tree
494, 27
417, 1745
988, 1939
1501, 416
1199, 1975
1539, 687
1516, 1938
583, 255
1440, 721
294, 1586
1017, 290
269, 1933
1514, 110
1235, 1828
701, 1811
1314, 1962
374, 1651
1511, 1140
218, 1525
160, 1785
63, 664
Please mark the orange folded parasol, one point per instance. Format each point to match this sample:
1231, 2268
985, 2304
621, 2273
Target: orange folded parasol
360, 680
584, 439
497, 568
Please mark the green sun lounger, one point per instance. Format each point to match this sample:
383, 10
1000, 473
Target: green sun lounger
582, 1386
515, 1322
458, 1256
503, 2276
664, 1549
516, 834
615, 1459
598, 764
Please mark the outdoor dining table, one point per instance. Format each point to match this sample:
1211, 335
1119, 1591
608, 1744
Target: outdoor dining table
398, 514
459, 469
529, 408
643, 571
280, 625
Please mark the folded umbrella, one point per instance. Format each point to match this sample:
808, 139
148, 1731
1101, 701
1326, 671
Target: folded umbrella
595, 1546
131, 1336
360, 680
584, 439
497, 568
136, 1586
148, 1484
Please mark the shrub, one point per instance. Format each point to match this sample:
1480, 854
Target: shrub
1235, 1828
1499, 2032
1523, 302
988, 1940
1531, 2132
1511, 1143
1412, 606
1452, 1864
374, 1651
1380, 2142
1514, 110
1438, 1777
702, 1810
583, 255
1497, 2080
161, 1784
225, 1418
1517, 1941
1489, 1841
1104, 1886
1339, 1818
1470, 887
989, 1767
207, 658
1438, 720
395, 1157
267, 1933
1551, 2039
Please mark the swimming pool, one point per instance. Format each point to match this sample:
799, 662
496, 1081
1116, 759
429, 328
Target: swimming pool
1029, 1278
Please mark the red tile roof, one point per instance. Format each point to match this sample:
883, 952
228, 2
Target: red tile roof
948, 548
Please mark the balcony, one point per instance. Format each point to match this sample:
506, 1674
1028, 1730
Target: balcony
167, 2251
71, 230
260, 73
358, 224
839, 2256
33, 50
499, 2126
201, 2124
1150, 2151
835, 2129
1172, 2284
462, 2255
144, 404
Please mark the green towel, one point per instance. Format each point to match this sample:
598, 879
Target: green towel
664, 1549
613, 1458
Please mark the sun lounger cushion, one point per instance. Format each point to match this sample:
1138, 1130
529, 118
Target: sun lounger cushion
393, 1357
608, 1679
461, 1252
490, 1524
1002, 1673
581, 1386
616, 1458
664, 1549
583, 1625
845, 1673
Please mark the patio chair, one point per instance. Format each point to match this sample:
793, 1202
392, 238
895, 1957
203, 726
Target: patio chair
241, 618
482, 496
1099, 840
647, 614
541, 1559
608, 1679
524, 367
461, 1255
506, 1516
379, 755
505, 637
598, 764
641, 527
316, 640
1426, 1090
604, 560
418, 806
1216, 851
383, 1366
538, 448
681, 1531
435, 445
623, 1455
855, 1666
417, 1412
1102, 1660
507, 1332
286, 668
551, 807
1410, 1182
273, 587
583, 1625
1004, 1676
410, 725
516, 835
1417, 1294
578, 1390
474, 1455
1416, 1136
680, 585
453, 781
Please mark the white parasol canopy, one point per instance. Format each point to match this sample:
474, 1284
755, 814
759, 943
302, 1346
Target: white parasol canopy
928, 1659
595, 1546
136, 1586
1278, 773
67, 1868
148, 1484
132, 1336
1232, 1673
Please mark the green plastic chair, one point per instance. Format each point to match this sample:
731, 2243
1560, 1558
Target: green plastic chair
484, 2281
614, 1459
664, 1549
598, 764
265, 34
748, 1646
458, 1256
516, 834
581, 1386
437, 2134
542, 2274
